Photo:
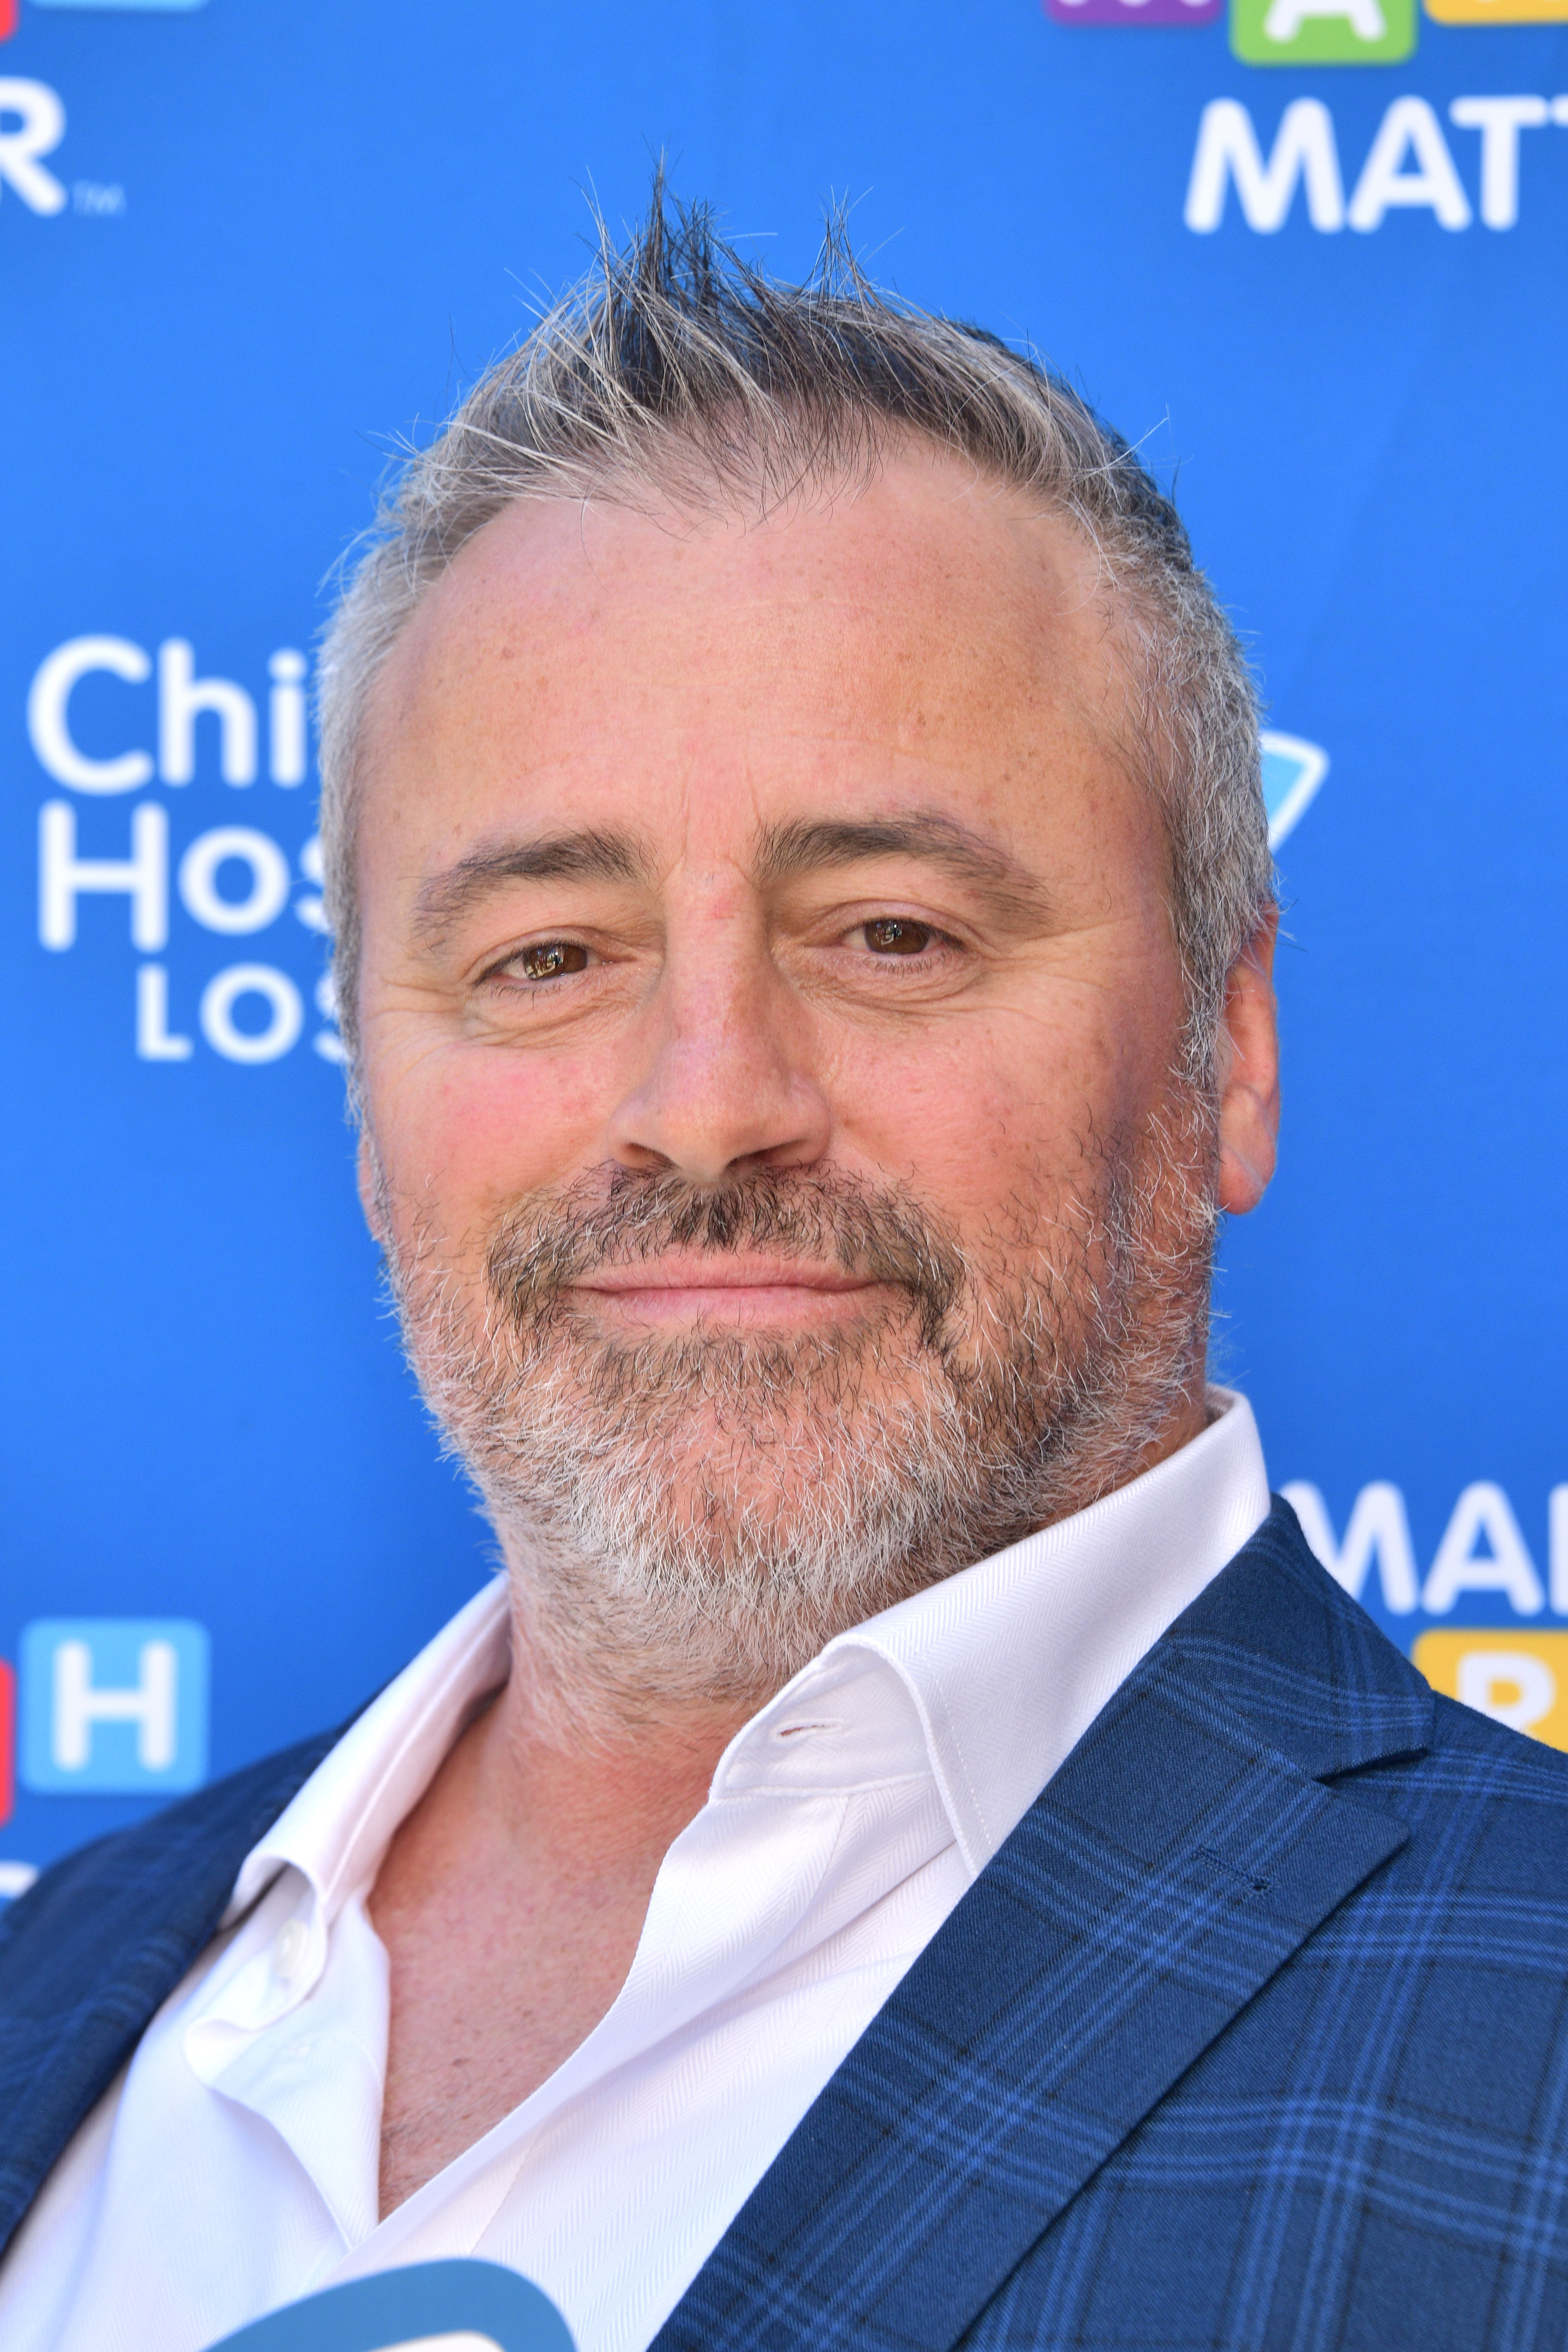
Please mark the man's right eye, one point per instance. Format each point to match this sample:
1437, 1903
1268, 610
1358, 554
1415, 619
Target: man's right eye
550, 959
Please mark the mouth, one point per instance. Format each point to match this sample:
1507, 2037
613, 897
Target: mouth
737, 1291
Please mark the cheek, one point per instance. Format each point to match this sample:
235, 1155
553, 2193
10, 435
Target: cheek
466, 1129
986, 1108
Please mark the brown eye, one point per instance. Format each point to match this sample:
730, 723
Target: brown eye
551, 959
891, 935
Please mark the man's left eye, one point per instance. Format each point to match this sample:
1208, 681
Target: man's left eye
896, 935
551, 959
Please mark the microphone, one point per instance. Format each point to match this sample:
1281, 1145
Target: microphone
461, 2306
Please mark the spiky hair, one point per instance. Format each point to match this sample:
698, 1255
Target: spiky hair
678, 371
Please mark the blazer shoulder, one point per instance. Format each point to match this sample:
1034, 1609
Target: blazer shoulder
1473, 1745
90, 1952
1279, 1639
1483, 1880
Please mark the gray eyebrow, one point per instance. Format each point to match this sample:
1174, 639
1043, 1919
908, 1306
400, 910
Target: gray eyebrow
803, 845
588, 856
809, 844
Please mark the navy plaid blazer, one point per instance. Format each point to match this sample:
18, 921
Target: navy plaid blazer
1253, 2035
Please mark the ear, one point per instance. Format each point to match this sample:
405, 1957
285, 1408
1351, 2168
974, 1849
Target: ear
1249, 1075
364, 1166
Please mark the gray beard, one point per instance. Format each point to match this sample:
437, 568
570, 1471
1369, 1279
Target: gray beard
692, 1519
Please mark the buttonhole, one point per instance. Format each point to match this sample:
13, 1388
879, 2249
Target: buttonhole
792, 1730
1258, 1886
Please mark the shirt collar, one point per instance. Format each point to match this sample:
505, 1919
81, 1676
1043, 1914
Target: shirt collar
986, 1681
1005, 1665
339, 1825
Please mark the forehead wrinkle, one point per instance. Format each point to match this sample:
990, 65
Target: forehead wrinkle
586, 854
808, 844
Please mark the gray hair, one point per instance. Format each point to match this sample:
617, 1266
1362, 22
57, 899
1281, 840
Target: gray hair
677, 369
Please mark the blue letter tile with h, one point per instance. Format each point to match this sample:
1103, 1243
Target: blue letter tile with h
113, 1704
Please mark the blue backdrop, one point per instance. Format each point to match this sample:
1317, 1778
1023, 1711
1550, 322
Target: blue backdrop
250, 245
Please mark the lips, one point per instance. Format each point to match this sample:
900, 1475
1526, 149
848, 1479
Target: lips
674, 1274
742, 1290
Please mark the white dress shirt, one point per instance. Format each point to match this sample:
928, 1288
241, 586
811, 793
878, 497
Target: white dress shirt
233, 2166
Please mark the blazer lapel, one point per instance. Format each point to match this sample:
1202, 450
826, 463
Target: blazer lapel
91, 1953
1175, 1862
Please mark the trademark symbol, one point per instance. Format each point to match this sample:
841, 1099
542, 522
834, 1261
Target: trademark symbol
97, 201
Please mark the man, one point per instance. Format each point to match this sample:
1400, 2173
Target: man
915, 1849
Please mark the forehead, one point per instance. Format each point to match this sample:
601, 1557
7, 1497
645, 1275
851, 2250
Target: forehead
930, 630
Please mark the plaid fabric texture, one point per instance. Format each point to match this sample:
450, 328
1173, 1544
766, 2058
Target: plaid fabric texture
1255, 2033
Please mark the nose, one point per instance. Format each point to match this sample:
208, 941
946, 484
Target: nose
726, 1086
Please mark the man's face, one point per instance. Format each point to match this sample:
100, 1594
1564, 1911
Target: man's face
769, 1001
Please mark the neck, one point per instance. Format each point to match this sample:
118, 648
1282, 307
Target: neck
576, 1786
596, 1677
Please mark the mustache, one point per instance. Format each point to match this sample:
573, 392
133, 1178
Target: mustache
622, 1217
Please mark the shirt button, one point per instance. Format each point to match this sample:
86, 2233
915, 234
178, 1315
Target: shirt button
288, 1951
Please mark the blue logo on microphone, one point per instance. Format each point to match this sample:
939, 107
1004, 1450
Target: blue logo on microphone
490, 2309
